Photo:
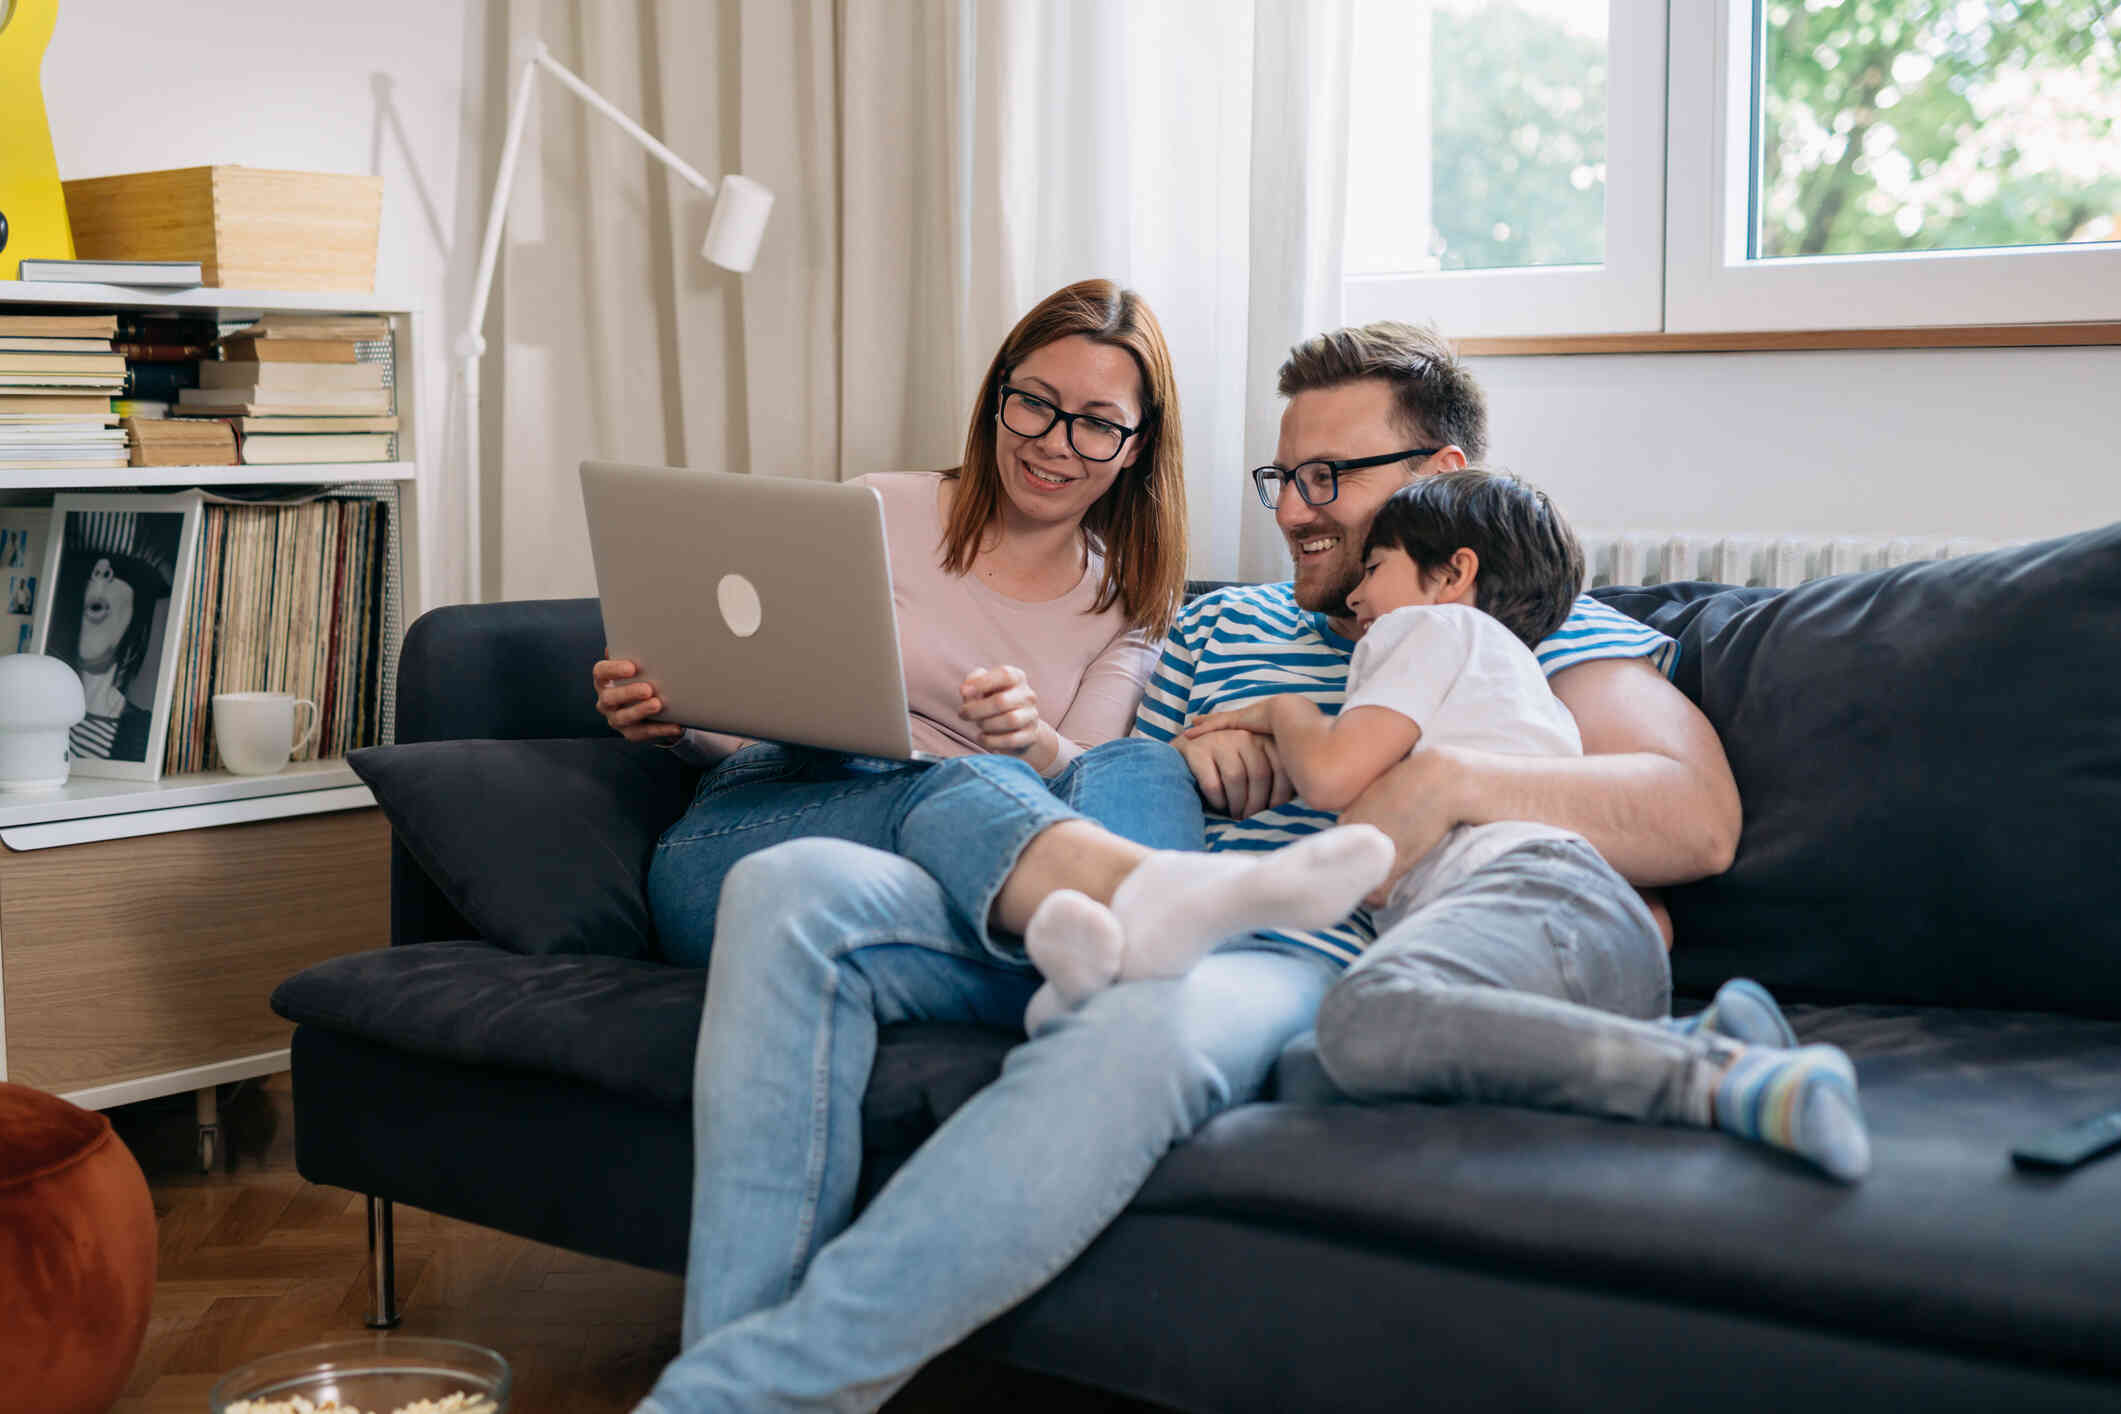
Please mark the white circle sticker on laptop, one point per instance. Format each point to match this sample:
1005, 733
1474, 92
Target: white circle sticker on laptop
740, 604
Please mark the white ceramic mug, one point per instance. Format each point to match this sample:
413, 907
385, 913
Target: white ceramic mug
255, 731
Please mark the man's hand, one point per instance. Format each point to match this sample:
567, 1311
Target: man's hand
1254, 717
1239, 772
1413, 803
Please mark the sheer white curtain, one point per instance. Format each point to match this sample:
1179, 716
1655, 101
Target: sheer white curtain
1195, 150
939, 165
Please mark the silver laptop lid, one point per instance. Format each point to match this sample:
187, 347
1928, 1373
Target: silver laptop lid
757, 605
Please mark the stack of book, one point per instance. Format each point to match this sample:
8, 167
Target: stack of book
162, 349
288, 598
295, 390
180, 441
57, 377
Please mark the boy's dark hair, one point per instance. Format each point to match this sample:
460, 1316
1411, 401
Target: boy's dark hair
1531, 564
1437, 399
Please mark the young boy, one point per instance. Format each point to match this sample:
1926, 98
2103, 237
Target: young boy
1492, 942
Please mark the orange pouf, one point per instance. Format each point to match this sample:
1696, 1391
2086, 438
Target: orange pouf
77, 1256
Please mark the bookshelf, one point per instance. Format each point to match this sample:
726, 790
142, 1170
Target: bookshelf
403, 578
142, 923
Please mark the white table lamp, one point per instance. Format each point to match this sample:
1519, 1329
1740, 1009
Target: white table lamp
741, 207
40, 700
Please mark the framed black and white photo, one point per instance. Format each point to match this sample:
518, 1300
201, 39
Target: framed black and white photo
110, 604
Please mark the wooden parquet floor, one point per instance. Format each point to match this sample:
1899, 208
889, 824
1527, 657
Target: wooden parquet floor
253, 1260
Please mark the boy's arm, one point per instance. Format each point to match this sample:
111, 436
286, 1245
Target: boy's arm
1653, 792
1238, 774
1330, 760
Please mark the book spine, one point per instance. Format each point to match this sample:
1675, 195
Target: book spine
150, 328
163, 353
160, 382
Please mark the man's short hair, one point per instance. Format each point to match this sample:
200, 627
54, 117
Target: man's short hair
1531, 564
1436, 395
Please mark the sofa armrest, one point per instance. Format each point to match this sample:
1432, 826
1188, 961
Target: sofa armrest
510, 671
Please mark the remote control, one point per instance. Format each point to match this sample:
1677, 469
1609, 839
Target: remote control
2071, 1145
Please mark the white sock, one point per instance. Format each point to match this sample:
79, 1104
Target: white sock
1075, 943
1174, 908
1045, 1006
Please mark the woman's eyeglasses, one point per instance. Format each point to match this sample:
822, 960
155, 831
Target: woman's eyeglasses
1095, 439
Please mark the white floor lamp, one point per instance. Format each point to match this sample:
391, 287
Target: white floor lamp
740, 210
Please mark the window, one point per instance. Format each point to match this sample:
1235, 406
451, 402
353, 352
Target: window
1577, 167
1917, 127
1892, 163
1525, 143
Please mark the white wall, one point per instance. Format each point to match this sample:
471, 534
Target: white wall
379, 87
1997, 444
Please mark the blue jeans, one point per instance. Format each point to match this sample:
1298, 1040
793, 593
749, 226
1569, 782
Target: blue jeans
965, 820
787, 1305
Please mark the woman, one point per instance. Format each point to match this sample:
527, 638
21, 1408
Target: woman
1031, 584
806, 975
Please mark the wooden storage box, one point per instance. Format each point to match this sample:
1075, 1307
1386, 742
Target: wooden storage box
248, 228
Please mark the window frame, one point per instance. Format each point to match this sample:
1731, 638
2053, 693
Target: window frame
1623, 295
1680, 110
1712, 285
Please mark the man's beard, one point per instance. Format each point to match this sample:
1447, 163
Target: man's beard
1330, 599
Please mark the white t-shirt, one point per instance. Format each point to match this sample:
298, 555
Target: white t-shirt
1087, 667
1467, 681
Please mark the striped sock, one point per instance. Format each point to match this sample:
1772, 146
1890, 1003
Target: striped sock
1803, 1101
1743, 1011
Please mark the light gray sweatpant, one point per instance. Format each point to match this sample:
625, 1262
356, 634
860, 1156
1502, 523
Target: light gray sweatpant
1537, 980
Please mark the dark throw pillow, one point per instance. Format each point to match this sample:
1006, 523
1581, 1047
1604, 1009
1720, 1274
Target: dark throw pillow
543, 846
1930, 763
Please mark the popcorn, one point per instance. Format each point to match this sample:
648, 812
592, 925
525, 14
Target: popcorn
461, 1402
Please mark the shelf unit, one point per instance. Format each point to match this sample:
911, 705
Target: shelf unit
146, 477
297, 860
116, 798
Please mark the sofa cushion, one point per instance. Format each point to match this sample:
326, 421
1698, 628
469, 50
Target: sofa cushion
1930, 763
543, 846
1944, 1244
621, 1024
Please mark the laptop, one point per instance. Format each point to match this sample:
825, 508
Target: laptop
757, 605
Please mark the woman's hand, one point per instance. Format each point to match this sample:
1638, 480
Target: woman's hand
1002, 708
1252, 717
630, 705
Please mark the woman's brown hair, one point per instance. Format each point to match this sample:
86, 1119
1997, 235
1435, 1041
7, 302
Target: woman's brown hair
1139, 524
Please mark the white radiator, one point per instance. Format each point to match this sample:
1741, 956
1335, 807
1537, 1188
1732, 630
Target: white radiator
1654, 557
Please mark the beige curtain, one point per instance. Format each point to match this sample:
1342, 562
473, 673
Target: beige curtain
855, 343
938, 166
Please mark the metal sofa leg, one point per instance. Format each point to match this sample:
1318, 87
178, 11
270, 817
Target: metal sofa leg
383, 1266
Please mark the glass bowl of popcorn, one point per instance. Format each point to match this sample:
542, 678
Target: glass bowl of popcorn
381, 1374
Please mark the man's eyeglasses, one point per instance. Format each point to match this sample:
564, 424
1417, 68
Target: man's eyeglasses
1095, 439
1319, 482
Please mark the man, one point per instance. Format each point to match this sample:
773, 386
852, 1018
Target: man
792, 1303
1470, 997
1652, 791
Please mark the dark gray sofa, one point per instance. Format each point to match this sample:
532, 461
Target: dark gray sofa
1925, 876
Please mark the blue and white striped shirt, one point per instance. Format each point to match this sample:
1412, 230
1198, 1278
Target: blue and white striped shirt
1249, 641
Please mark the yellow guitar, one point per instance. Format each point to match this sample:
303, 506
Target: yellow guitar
32, 205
